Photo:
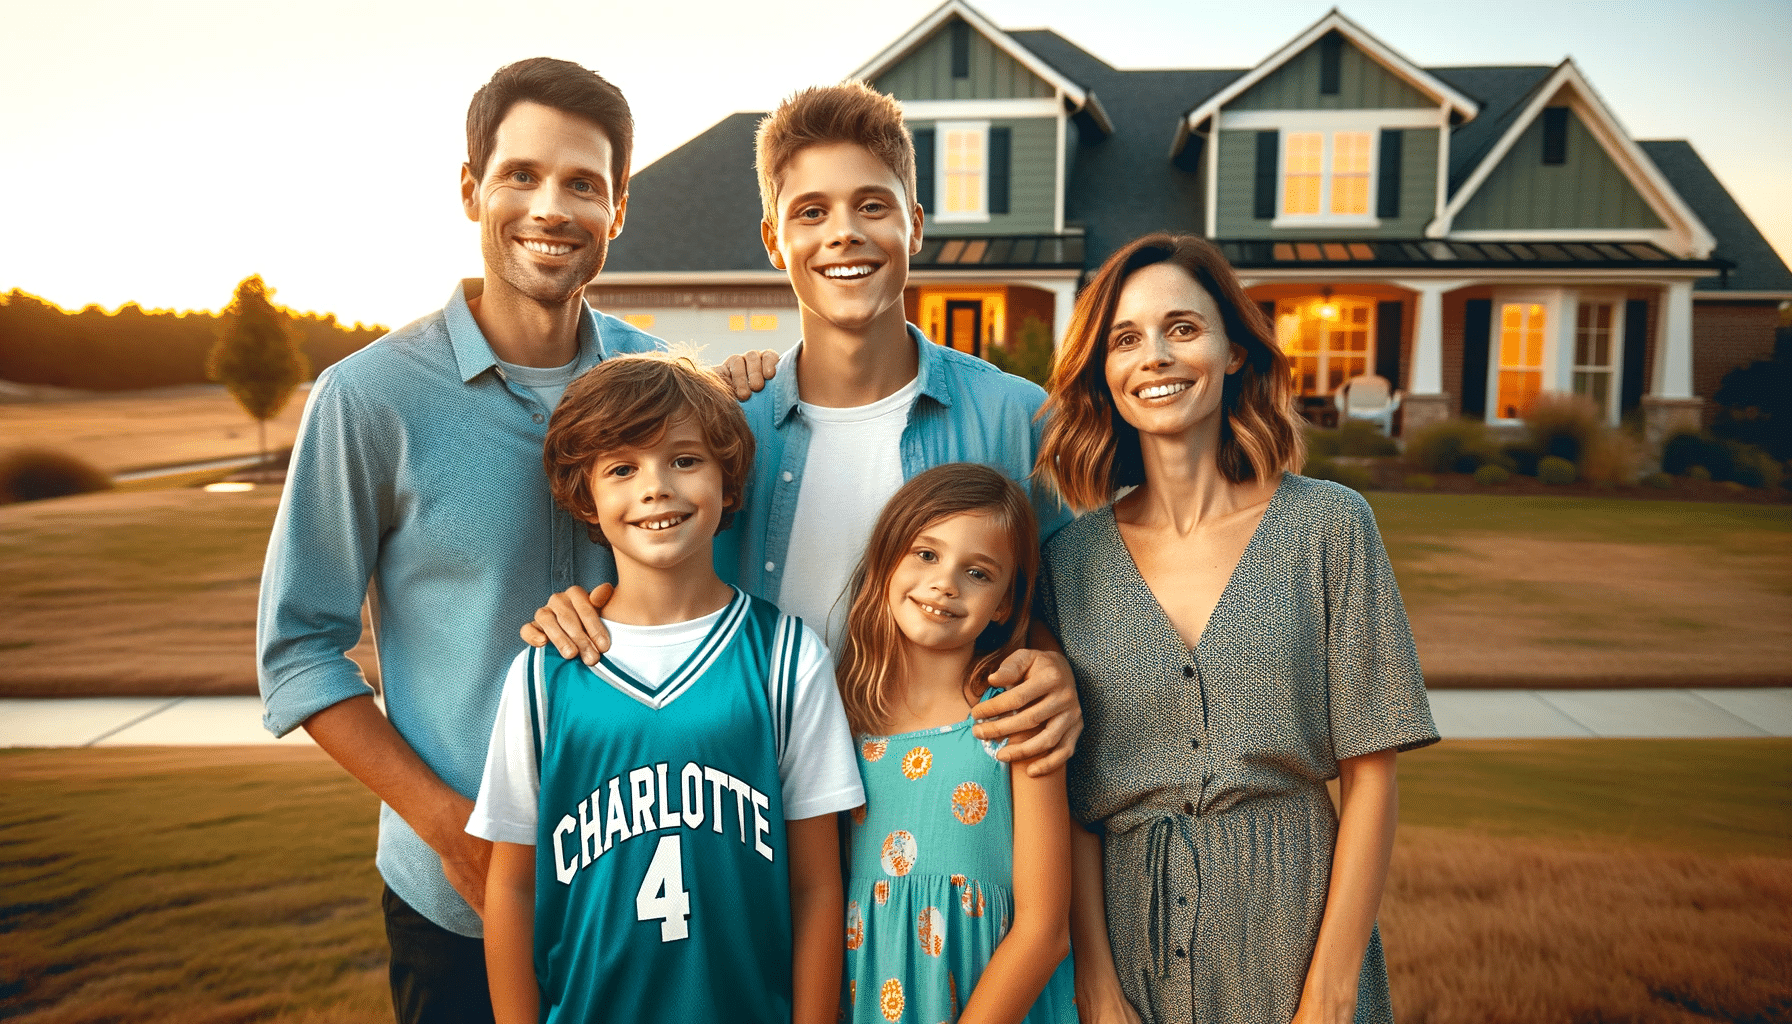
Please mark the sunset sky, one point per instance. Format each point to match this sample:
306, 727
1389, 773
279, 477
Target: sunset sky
159, 152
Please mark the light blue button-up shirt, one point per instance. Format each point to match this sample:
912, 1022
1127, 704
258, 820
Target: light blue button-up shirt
965, 410
418, 468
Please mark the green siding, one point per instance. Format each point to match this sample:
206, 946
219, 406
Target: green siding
1418, 191
926, 74
1032, 163
1363, 83
1587, 191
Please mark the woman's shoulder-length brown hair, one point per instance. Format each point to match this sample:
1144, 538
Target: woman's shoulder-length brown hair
1088, 452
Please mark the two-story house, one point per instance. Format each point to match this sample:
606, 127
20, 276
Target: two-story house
1476, 235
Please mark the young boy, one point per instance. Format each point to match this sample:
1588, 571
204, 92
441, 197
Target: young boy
865, 402
663, 821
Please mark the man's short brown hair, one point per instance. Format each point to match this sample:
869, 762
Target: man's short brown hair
824, 114
565, 87
630, 402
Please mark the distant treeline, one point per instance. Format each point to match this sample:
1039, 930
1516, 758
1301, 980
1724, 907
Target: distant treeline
41, 343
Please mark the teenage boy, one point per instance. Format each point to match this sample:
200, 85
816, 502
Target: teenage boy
862, 403
418, 468
664, 820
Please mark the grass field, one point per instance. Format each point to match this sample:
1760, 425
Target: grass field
1533, 882
153, 592
132, 430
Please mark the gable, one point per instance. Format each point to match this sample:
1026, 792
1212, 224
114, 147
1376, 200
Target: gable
1588, 190
1363, 83
991, 74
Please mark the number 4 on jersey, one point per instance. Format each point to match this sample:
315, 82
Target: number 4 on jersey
662, 896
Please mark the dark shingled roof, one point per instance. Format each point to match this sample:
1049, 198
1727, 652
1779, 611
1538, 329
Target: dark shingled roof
1124, 185
1758, 267
1502, 93
697, 207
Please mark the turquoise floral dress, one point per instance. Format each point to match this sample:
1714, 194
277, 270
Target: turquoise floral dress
930, 879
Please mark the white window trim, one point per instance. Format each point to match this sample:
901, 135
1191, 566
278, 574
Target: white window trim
1551, 299
1326, 218
1332, 120
1616, 300
941, 130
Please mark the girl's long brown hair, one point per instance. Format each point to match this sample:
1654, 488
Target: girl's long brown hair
870, 665
1088, 451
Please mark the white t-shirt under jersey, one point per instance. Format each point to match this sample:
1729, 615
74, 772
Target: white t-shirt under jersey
819, 771
853, 467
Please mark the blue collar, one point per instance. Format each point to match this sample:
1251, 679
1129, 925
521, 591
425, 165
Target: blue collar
474, 355
931, 370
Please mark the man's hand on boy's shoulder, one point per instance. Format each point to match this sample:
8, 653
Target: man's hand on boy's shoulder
570, 622
1041, 694
747, 373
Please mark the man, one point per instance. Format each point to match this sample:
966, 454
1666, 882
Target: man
418, 468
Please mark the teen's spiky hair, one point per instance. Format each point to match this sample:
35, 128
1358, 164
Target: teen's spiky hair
824, 114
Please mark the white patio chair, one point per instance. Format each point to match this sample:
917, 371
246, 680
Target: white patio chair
1367, 397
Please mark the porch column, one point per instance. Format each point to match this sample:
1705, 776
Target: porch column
1425, 402
1670, 407
1063, 301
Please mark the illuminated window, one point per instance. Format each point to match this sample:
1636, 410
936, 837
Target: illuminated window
1520, 358
764, 322
1328, 340
1595, 329
642, 320
1327, 174
963, 178
737, 322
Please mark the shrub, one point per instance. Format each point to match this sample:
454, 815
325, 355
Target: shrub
1555, 470
1698, 473
1492, 475
1362, 438
1685, 450
1752, 467
1354, 477
1420, 481
1452, 446
30, 474
1519, 458
1659, 481
1322, 443
1562, 425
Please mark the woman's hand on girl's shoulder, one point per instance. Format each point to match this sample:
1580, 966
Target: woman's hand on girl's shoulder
1041, 698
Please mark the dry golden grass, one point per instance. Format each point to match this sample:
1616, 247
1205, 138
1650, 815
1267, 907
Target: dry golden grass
130, 430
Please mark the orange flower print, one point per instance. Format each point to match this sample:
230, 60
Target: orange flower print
969, 803
972, 900
900, 853
957, 879
932, 931
916, 762
858, 815
890, 1001
874, 749
881, 892
855, 926
952, 987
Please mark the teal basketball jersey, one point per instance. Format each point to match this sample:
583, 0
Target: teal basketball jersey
662, 890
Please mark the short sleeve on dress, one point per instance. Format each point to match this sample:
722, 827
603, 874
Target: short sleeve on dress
1376, 693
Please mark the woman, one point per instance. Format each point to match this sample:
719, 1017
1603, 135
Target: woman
1238, 639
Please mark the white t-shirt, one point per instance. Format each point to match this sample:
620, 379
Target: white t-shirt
819, 771
853, 467
548, 382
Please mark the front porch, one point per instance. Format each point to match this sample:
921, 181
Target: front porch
1481, 329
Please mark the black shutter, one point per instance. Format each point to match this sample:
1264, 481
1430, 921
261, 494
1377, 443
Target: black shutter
1555, 135
1387, 340
1268, 306
1001, 150
961, 50
924, 168
1636, 342
1477, 328
1387, 201
1331, 53
1268, 153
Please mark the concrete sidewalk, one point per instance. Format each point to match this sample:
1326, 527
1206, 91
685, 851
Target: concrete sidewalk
1460, 714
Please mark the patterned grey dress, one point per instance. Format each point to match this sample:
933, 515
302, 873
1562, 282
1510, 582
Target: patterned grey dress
1205, 771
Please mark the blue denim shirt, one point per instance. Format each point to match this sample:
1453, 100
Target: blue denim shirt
418, 467
965, 410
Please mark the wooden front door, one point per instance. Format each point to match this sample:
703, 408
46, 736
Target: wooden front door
964, 325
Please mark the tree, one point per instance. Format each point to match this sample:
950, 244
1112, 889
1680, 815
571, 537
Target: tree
257, 355
1756, 401
1028, 354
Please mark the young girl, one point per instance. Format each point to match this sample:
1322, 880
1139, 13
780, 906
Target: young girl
958, 885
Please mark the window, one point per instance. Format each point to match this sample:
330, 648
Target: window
963, 170
1596, 344
1328, 340
737, 322
764, 322
1521, 331
1555, 135
642, 320
1327, 174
